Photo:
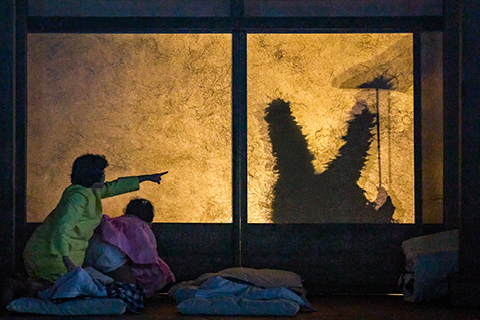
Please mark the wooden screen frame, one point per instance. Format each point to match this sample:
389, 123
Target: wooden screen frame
211, 247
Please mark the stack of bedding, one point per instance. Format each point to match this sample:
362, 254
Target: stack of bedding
242, 291
431, 261
81, 292
234, 291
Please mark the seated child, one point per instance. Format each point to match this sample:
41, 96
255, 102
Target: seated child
125, 249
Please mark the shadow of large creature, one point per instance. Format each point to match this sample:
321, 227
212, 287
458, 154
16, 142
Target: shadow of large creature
301, 195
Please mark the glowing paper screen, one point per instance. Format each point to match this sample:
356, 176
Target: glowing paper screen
313, 154
149, 103
163, 102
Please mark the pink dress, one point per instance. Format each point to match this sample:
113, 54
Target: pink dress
135, 238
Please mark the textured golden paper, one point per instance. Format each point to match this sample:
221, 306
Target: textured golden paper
163, 102
319, 75
149, 103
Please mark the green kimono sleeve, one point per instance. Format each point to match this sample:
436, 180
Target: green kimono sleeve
120, 186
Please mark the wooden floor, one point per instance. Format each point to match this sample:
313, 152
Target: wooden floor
328, 308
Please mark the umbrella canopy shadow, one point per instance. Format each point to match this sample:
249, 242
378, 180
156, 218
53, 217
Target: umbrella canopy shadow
394, 64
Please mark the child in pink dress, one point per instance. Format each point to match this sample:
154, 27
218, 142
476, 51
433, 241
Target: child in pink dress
125, 249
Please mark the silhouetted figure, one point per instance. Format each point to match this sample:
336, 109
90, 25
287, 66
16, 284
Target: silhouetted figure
300, 195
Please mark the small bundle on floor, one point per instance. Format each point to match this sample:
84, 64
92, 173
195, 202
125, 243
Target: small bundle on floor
242, 291
83, 292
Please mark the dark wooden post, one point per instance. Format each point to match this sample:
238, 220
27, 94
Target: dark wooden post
451, 113
7, 138
239, 128
466, 286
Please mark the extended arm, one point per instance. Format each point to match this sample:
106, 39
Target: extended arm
156, 177
128, 184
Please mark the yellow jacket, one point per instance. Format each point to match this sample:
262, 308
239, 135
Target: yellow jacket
67, 229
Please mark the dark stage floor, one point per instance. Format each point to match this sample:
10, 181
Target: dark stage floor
328, 308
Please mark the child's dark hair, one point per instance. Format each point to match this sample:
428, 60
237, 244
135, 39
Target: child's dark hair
140, 208
88, 169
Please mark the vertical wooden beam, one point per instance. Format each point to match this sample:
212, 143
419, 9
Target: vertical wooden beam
239, 127
451, 94
20, 130
470, 141
417, 106
466, 287
7, 134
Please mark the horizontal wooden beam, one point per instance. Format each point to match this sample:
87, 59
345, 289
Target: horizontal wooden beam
227, 24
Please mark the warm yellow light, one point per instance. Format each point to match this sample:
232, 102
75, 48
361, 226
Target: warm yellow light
319, 75
149, 103
163, 102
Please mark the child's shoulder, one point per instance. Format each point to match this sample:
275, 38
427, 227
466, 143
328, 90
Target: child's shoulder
77, 192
